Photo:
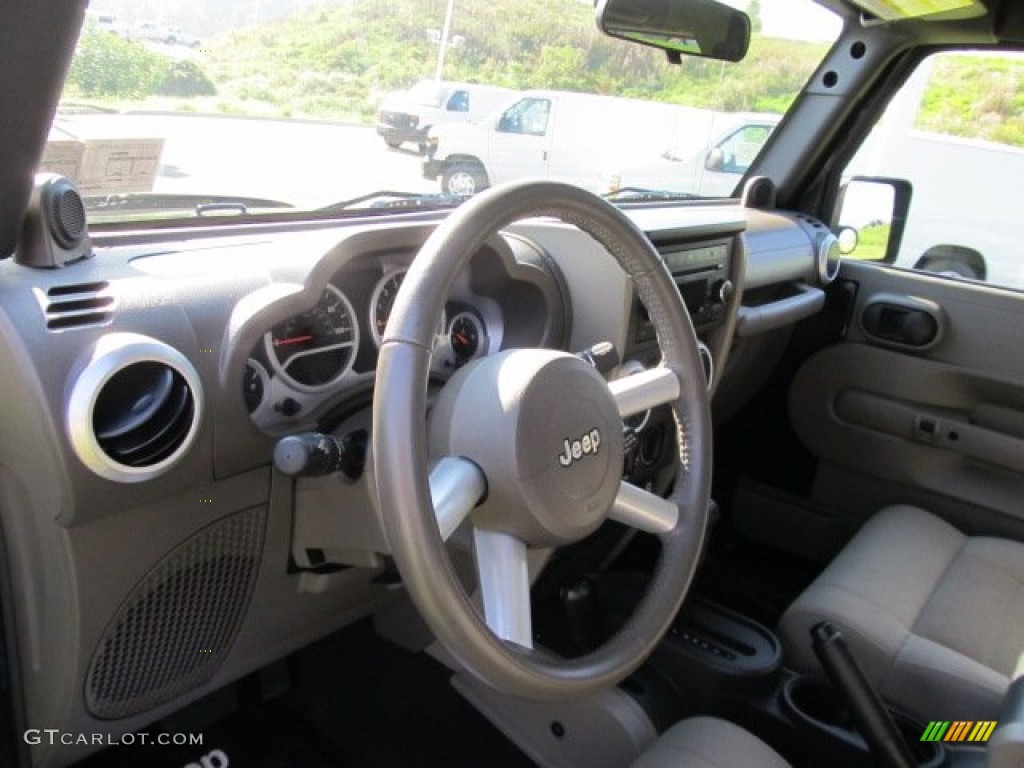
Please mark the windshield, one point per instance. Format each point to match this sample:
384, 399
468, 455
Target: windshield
187, 109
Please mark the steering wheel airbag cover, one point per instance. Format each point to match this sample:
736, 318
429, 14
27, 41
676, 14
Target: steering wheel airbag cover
543, 427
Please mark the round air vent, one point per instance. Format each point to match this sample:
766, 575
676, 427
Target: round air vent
134, 409
828, 257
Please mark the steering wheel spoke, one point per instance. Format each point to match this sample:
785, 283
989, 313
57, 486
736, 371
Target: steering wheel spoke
645, 390
504, 578
456, 486
644, 510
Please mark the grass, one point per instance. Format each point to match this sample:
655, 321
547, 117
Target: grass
872, 243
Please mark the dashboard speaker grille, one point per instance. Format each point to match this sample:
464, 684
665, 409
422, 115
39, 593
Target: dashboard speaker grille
177, 626
67, 216
55, 230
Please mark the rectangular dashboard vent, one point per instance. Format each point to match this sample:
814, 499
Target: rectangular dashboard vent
81, 305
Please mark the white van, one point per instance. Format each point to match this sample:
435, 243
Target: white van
708, 160
409, 115
549, 134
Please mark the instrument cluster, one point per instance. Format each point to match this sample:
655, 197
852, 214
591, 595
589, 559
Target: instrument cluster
311, 358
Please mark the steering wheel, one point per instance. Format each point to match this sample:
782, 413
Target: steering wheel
526, 447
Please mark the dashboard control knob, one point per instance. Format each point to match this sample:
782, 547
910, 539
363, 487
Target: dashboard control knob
603, 356
725, 290
289, 407
313, 454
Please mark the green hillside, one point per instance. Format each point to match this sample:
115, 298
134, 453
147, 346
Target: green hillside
334, 61
978, 97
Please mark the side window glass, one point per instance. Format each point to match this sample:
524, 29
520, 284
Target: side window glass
458, 102
737, 152
529, 116
955, 132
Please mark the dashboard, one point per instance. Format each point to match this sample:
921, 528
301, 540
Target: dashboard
149, 386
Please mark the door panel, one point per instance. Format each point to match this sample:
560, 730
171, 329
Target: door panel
944, 419
519, 146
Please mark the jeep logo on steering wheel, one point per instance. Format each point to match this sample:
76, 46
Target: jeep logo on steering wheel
574, 450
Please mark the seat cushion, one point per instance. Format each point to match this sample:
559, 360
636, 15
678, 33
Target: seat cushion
935, 618
707, 742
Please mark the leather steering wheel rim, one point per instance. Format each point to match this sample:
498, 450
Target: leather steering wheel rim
400, 455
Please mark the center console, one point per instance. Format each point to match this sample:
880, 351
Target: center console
824, 724
721, 663
728, 665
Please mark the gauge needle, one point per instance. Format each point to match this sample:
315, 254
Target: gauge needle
462, 338
292, 340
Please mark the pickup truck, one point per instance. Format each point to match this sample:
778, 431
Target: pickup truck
168, 35
409, 115
698, 166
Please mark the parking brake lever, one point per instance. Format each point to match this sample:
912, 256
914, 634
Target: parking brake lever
873, 719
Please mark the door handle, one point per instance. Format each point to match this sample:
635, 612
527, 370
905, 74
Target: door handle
903, 321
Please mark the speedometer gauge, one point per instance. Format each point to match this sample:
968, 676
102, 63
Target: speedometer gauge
313, 350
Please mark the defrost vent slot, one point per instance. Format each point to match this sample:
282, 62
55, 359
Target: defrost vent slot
82, 305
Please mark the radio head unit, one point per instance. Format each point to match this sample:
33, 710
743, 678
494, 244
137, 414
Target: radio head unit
703, 274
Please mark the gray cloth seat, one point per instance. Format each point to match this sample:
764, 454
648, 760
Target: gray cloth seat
707, 742
935, 618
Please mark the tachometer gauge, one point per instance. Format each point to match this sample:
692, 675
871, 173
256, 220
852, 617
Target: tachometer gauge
466, 336
383, 300
313, 350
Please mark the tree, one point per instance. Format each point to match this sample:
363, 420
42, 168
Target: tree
186, 78
754, 12
106, 65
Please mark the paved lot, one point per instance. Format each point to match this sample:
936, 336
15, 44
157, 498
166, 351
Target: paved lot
304, 163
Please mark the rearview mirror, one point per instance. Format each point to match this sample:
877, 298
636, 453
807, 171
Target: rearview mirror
704, 28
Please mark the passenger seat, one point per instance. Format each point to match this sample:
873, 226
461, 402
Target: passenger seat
935, 617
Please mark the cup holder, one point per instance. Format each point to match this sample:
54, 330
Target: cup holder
816, 706
816, 703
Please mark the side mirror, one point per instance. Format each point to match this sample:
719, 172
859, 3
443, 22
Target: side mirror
953, 261
715, 160
870, 215
705, 28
